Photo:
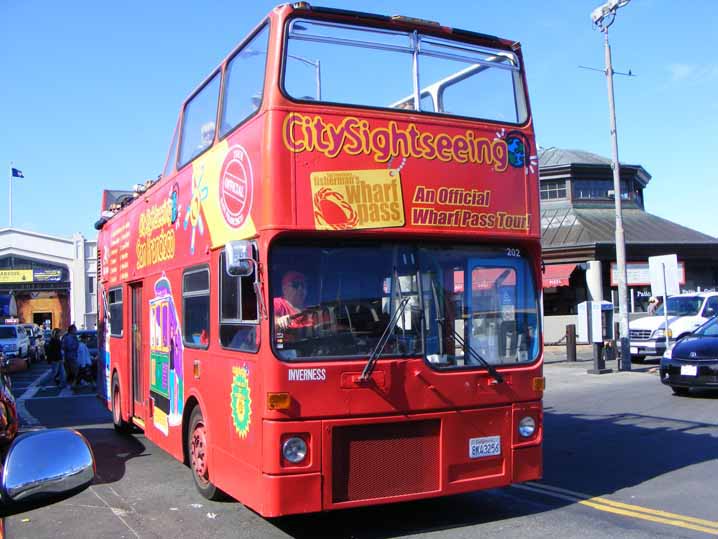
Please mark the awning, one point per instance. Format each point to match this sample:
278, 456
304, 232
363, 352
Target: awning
557, 275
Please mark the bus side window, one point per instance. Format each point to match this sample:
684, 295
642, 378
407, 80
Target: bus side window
115, 311
244, 82
238, 313
195, 307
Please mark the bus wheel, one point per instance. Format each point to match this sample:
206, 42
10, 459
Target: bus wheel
120, 424
197, 451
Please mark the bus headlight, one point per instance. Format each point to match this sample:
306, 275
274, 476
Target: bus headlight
294, 449
527, 426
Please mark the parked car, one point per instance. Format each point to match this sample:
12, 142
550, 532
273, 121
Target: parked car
8, 409
37, 342
686, 312
693, 360
14, 341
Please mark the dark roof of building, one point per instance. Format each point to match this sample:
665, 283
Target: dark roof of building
569, 227
558, 157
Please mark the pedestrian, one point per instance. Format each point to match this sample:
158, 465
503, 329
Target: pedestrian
653, 305
54, 358
83, 376
70, 344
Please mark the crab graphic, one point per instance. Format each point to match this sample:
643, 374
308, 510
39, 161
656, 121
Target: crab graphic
332, 210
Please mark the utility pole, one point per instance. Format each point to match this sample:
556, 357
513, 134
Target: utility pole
603, 17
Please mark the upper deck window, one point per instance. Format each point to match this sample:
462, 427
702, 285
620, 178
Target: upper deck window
244, 82
172, 154
323, 61
198, 124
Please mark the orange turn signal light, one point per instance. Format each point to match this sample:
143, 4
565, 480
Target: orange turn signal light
539, 384
278, 401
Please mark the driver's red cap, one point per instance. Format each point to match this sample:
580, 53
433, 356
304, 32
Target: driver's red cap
291, 276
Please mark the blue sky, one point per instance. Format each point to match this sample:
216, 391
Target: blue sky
91, 91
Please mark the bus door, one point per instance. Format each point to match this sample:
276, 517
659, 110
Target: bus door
492, 327
137, 343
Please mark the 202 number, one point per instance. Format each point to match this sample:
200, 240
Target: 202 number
513, 252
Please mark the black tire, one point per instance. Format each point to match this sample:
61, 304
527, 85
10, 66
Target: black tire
681, 391
197, 456
637, 359
120, 424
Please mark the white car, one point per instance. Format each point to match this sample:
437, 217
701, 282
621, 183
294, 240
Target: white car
685, 313
14, 340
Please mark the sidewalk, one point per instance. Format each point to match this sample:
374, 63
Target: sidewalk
556, 356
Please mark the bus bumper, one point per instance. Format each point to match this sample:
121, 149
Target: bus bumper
359, 462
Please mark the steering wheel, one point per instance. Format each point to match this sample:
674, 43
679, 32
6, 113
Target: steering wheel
314, 318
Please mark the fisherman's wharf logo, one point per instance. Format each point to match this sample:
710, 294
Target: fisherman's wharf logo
353, 199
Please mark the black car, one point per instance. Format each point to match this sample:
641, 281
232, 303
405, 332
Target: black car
693, 360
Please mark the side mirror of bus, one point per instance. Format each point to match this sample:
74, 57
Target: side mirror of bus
239, 258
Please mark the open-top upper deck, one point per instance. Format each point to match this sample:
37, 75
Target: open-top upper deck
312, 123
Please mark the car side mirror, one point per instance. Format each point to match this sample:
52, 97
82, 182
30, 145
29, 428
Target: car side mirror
710, 312
44, 467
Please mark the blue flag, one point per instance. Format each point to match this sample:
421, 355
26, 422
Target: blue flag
17, 173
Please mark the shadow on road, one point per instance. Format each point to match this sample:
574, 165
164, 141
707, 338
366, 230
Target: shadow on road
112, 451
407, 518
600, 454
583, 453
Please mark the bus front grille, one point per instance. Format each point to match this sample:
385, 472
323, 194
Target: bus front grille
384, 459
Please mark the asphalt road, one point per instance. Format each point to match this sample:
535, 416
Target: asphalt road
623, 458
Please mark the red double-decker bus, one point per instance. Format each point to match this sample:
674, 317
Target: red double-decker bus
331, 296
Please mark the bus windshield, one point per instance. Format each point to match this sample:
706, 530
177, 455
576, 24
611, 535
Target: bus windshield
449, 77
333, 301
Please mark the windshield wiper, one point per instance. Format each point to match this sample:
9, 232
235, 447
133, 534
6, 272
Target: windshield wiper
473, 353
379, 348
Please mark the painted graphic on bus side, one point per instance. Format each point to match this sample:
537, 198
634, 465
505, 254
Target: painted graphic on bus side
166, 352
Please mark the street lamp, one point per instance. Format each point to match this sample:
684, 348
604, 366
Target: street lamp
316, 64
603, 16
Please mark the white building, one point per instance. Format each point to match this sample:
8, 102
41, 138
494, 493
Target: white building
50, 278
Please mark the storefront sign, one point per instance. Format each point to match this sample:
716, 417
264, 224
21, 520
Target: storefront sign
637, 274
15, 276
47, 275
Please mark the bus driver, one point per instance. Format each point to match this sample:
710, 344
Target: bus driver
294, 292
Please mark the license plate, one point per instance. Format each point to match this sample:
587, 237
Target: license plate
634, 350
488, 446
689, 370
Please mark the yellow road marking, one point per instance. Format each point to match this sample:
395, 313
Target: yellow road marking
624, 509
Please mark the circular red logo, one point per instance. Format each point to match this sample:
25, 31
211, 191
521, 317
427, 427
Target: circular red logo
235, 186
